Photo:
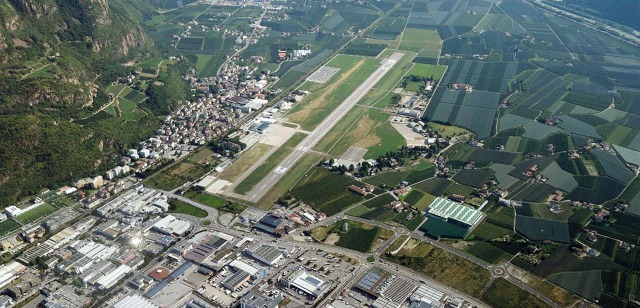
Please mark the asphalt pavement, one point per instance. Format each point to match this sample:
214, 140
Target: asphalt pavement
321, 130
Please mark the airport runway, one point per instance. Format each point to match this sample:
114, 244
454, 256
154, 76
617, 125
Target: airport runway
321, 130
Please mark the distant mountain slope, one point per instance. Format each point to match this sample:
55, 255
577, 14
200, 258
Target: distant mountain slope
56, 57
624, 12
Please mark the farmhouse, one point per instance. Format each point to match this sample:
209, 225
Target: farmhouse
455, 213
462, 87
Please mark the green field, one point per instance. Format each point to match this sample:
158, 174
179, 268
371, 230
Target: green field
312, 190
372, 131
489, 253
177, 206
427, 70
389, 178
37, 213
8, 226
176, 174
242, 164
443, 266
426, 43
324, 98
587, 284
358, 238
502, 293
487, 231
215, 202
269, 164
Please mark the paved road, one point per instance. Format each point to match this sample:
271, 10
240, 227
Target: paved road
321, 130
213, 213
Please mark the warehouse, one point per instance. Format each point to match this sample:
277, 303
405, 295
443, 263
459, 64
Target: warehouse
113, 277
172, 225
311, 285
9, 272
266, 254
134, 301
236, 280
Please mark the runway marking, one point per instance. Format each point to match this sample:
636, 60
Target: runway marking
323, 128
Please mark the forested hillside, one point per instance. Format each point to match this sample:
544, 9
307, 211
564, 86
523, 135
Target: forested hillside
56, 59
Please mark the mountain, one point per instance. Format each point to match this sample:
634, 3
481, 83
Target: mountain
56, 58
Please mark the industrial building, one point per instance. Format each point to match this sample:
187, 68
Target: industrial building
202, 252
113, 277
266, 254
271, 224
66, 297
454, 212
256, 299
309, 284
236, 280
9, 272
172, 225
374, 281
134, 300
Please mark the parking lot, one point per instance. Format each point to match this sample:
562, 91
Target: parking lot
325, 266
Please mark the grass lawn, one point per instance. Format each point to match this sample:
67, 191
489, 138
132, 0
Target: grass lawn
372, 131
203, 155
182, 207
502, 293
324, 98
446, 131
175, 175
388, 178
245, 162
427, 70
425, 42
424, 202
215, 202
269, 164
126, 105
296, 172
443, 266
335, 134
37, 213
8, 226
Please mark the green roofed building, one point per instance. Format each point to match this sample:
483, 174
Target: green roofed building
455, 213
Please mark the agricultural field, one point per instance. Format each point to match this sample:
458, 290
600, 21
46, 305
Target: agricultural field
501, 293
125, 103
443, 266
587, 284
317, 182
426, 43
360, 237
488, 252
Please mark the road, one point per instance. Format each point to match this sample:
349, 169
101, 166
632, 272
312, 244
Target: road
212, 213
321, 130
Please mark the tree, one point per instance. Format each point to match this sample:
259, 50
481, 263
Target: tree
395, 99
